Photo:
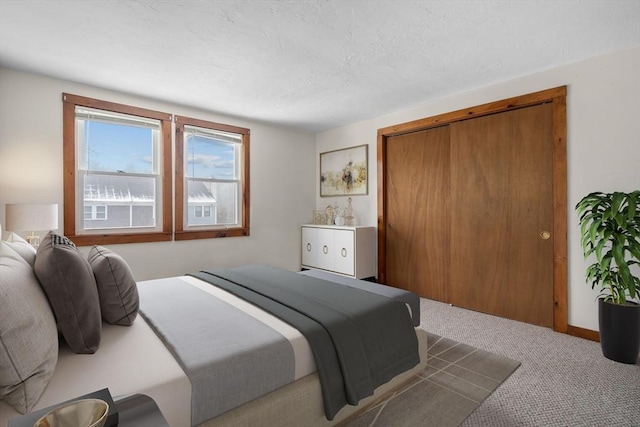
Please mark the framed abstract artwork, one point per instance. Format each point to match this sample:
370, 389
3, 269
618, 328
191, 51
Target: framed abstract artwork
344, 172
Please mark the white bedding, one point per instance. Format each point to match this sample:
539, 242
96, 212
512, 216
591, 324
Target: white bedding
134, 360
130, 360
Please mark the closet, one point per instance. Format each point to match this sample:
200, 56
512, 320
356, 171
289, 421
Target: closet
472, 208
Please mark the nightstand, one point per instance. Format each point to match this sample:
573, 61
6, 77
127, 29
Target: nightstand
134, 410
139, 410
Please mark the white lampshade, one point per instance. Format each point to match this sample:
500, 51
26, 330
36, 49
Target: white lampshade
31, 217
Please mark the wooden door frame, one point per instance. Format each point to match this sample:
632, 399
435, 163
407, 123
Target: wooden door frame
556, 96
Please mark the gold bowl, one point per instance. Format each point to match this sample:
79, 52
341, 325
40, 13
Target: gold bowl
79, 413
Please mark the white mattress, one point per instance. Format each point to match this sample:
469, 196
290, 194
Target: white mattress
134, 360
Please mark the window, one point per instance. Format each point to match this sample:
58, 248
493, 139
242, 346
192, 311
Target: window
212, 180
117, 164
202, 211
100, 212
94, 212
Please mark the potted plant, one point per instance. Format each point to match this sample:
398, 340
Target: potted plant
610, 230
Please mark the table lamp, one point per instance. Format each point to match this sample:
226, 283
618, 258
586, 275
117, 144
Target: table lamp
31, 218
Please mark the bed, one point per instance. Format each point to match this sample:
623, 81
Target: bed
134, 359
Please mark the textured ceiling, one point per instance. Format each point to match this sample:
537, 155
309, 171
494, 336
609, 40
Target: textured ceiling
314, 64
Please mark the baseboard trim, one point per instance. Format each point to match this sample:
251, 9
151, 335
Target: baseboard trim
583, 333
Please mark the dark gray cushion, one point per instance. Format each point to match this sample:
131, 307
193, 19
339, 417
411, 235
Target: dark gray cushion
28, 333
117, 289
68, 281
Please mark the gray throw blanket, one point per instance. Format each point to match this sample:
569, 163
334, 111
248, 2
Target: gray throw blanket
229, 357
360, 340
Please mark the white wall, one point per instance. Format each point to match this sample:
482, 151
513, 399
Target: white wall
282, 178
603, 131
603, 127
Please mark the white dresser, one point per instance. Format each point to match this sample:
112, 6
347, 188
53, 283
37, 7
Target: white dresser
349, 251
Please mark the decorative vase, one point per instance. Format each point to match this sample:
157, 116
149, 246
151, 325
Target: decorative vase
619, 331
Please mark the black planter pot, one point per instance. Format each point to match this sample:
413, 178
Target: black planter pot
619, 331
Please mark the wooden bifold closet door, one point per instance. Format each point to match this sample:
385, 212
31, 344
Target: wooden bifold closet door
470, 213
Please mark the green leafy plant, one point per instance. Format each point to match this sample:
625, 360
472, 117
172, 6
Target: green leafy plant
610, 229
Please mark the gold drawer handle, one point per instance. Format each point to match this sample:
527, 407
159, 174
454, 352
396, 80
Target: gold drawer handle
343, 252
545, 235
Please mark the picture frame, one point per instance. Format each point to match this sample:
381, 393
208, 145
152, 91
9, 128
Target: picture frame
344, 172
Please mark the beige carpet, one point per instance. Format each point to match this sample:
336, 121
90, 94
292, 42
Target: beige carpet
562, 381
457, 379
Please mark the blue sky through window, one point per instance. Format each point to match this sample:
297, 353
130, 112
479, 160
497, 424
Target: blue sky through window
209, 158
114, 147
117, 147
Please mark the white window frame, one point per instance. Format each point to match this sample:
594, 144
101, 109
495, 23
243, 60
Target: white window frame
239, 137
84, 115
76, 110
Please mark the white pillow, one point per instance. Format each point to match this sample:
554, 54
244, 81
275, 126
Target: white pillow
23, 248
28, 333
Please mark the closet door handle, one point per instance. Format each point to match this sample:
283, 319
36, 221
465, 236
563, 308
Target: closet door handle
308, 247
343, 252
325, 249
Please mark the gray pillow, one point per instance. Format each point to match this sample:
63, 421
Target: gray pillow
28, 333
68, 281
117, 289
